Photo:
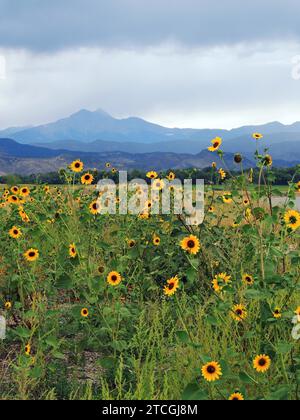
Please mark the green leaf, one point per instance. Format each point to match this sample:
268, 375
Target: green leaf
194, 392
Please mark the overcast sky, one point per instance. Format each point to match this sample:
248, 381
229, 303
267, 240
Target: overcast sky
186, 63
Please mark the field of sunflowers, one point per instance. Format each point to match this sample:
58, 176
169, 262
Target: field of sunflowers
112, 307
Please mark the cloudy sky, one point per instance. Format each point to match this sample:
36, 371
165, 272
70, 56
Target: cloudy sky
186, 63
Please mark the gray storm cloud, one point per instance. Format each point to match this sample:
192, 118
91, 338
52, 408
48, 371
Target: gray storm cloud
55, 24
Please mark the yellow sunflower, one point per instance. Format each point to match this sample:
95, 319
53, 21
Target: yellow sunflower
227, 198
15, 232
262, 363
216, 144
267, 160
8, 305
87, 179
297, 311
15, 190
171, 176
236, 396
77, 166
257, 136
108, 165
211, 209
13, 199
84, 312
298, 186
277, 313
31, 255
191, 244
212, 371
94, 207
246, 202
239, 313
172, 286
158, 184
131, 243
156, 240
248, 279
72, 251
292, 219
220, 281
27, 349
24, 192
114, 278
222, 174
152, 175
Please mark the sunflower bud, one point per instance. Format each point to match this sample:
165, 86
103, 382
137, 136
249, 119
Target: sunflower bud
238, 158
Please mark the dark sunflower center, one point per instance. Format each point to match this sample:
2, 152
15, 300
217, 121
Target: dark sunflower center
77, 165
31, 254
293, 220
16, 232
114, 278
239, 312
191, 244
171, 286
211, 370
262, 362
216, 144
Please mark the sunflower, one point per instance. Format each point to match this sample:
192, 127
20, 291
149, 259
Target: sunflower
131, 243
84, 312
24, 192
246, 202
108, 165
13, 199
211, 209
262, 363
114, 278
8, 305
156, 240
158, 184
72, 251
248, 279
15, 190
27, 349
216, 143
277, 313
113, 171
94, 207
191, 244
257, 136
77, 166
172, 286
171, 176
222, 174
31, 255
46, 189
24, 216
212, 371
152, 175
297, 311
220, 281
227, 198
298, 186
236, 396
267, 160
239, 313
87, 179
292, 219
15, 233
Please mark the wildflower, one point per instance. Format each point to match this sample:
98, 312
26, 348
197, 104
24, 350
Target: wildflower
24, 192
277, 313
220, 281
94, 207
114, 278
248, 279
238, 158
77, 166
239, 313
236, 396
211, 209
292, 219
156, 240
214, 165
246, 202
191, 244
227, 198
131, 243
222, 174
257, 136
15, 233
15, 190
172, 286
13, 199
297, 311
267, 160
216, 143
108, 165
158, 184
87, 179
31, 255
212, 372
28, 349
84, 312
8, 305
298, 186
171, 176
46, 189
72, 251
262, 363
152, 175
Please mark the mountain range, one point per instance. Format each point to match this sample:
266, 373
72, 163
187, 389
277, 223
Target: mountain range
136, 143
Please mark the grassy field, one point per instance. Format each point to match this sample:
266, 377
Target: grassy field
147, 307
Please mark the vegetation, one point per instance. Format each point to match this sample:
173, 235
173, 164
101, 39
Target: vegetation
148, 307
